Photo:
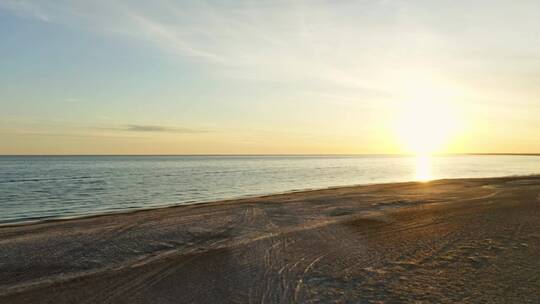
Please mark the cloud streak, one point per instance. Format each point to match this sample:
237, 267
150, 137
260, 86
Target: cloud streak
338, 44
154, 128
370, 49
63, 128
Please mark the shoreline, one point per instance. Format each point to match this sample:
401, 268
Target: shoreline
40, 220
356, 243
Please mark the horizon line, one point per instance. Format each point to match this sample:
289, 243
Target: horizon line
274, 154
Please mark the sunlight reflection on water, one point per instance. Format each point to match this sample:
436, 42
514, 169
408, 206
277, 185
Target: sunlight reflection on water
423, 168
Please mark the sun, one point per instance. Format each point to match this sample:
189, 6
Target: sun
424, 127
426, 111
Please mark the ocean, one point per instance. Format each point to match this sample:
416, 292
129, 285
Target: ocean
44, 187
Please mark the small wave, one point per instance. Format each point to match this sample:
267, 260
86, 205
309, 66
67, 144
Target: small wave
45, 179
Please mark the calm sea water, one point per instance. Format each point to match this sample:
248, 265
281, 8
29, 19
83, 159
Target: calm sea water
53, 187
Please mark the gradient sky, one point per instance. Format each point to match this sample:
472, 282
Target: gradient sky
265, 77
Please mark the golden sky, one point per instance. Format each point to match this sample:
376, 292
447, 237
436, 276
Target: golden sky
269, 77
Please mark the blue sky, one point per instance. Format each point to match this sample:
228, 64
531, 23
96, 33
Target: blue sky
191, 77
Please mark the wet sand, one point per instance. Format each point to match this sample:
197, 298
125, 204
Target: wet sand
467, 240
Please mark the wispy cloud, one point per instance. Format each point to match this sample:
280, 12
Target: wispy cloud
25, 9
138, 128
69, 128
341, 44
153, 128
361, 46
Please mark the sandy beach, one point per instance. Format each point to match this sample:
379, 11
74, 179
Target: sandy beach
447, 241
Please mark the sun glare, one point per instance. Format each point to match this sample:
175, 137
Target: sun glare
423, 168
426, 119
426, 126
425, 129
